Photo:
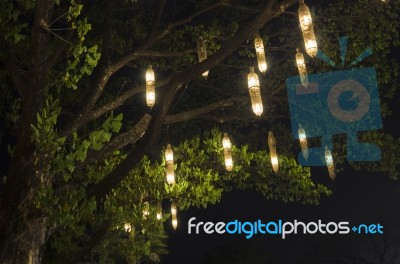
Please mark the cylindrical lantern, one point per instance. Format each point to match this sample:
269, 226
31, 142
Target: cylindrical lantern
174, 209
174, 221
202, 52
307, 28
260, 52
255, 93
150, 87
272, 151
329, 163
301, 66
303, 142
159, 211
170, 174
146, 209
127, 227
227, 145
169, 155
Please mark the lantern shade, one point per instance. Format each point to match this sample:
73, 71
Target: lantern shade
170, 174
272, 151
255, 93
202, 52
303, 142
159, 211
146, 209
226, 142
307, 28
329, 163
301, 66
169, 155
260, 53
174, 209
228, 159
174, 222
150, 87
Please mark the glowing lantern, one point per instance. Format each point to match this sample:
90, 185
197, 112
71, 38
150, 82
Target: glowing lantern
301, 66
146, 209
260, 52
174, 212
303, 142
272, 151
127, 227
307, 29
329, 163
159, 211
255, 93
150, 87
202, 52
227, 145
169, 160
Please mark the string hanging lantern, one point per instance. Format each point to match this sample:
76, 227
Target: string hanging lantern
202, 52
260, 52
174, 212
301, 66
272, 151
146, 209
329, 163
159, 211
169, 160
303, 142
227, 145
255, 93
307, 28
127, 227
150, 87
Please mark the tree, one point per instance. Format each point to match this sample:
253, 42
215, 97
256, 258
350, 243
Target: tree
83, 148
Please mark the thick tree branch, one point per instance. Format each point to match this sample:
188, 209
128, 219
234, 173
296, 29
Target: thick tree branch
173, 87
129, 137
199, 112
16, 77
166, 54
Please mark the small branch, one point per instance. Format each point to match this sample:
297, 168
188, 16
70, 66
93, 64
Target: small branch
156, 20
199, 112
166, 54
129, 137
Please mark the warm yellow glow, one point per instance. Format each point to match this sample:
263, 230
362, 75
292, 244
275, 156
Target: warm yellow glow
169, 155
307, 29
329, 163
159, 211
174, 222
170, 174
202, 53
272, 151
174, 209
226, 142
301, 66
255, 92
228, 159
127, 227
146, 209
150, 87
260, 52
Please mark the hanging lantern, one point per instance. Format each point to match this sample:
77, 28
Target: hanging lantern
272, 151
307, 28
303, 142
173, 208
127, 227
202, 52
260, 52
146, 209
150, 87
329, 163
301, 66
255, 93
159, 211
174, 222
227, 145
169, 160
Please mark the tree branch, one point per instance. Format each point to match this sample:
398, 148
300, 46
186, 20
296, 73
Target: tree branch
166, 54
16, 77
120, 141
173, 87
156, 20
201, 111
